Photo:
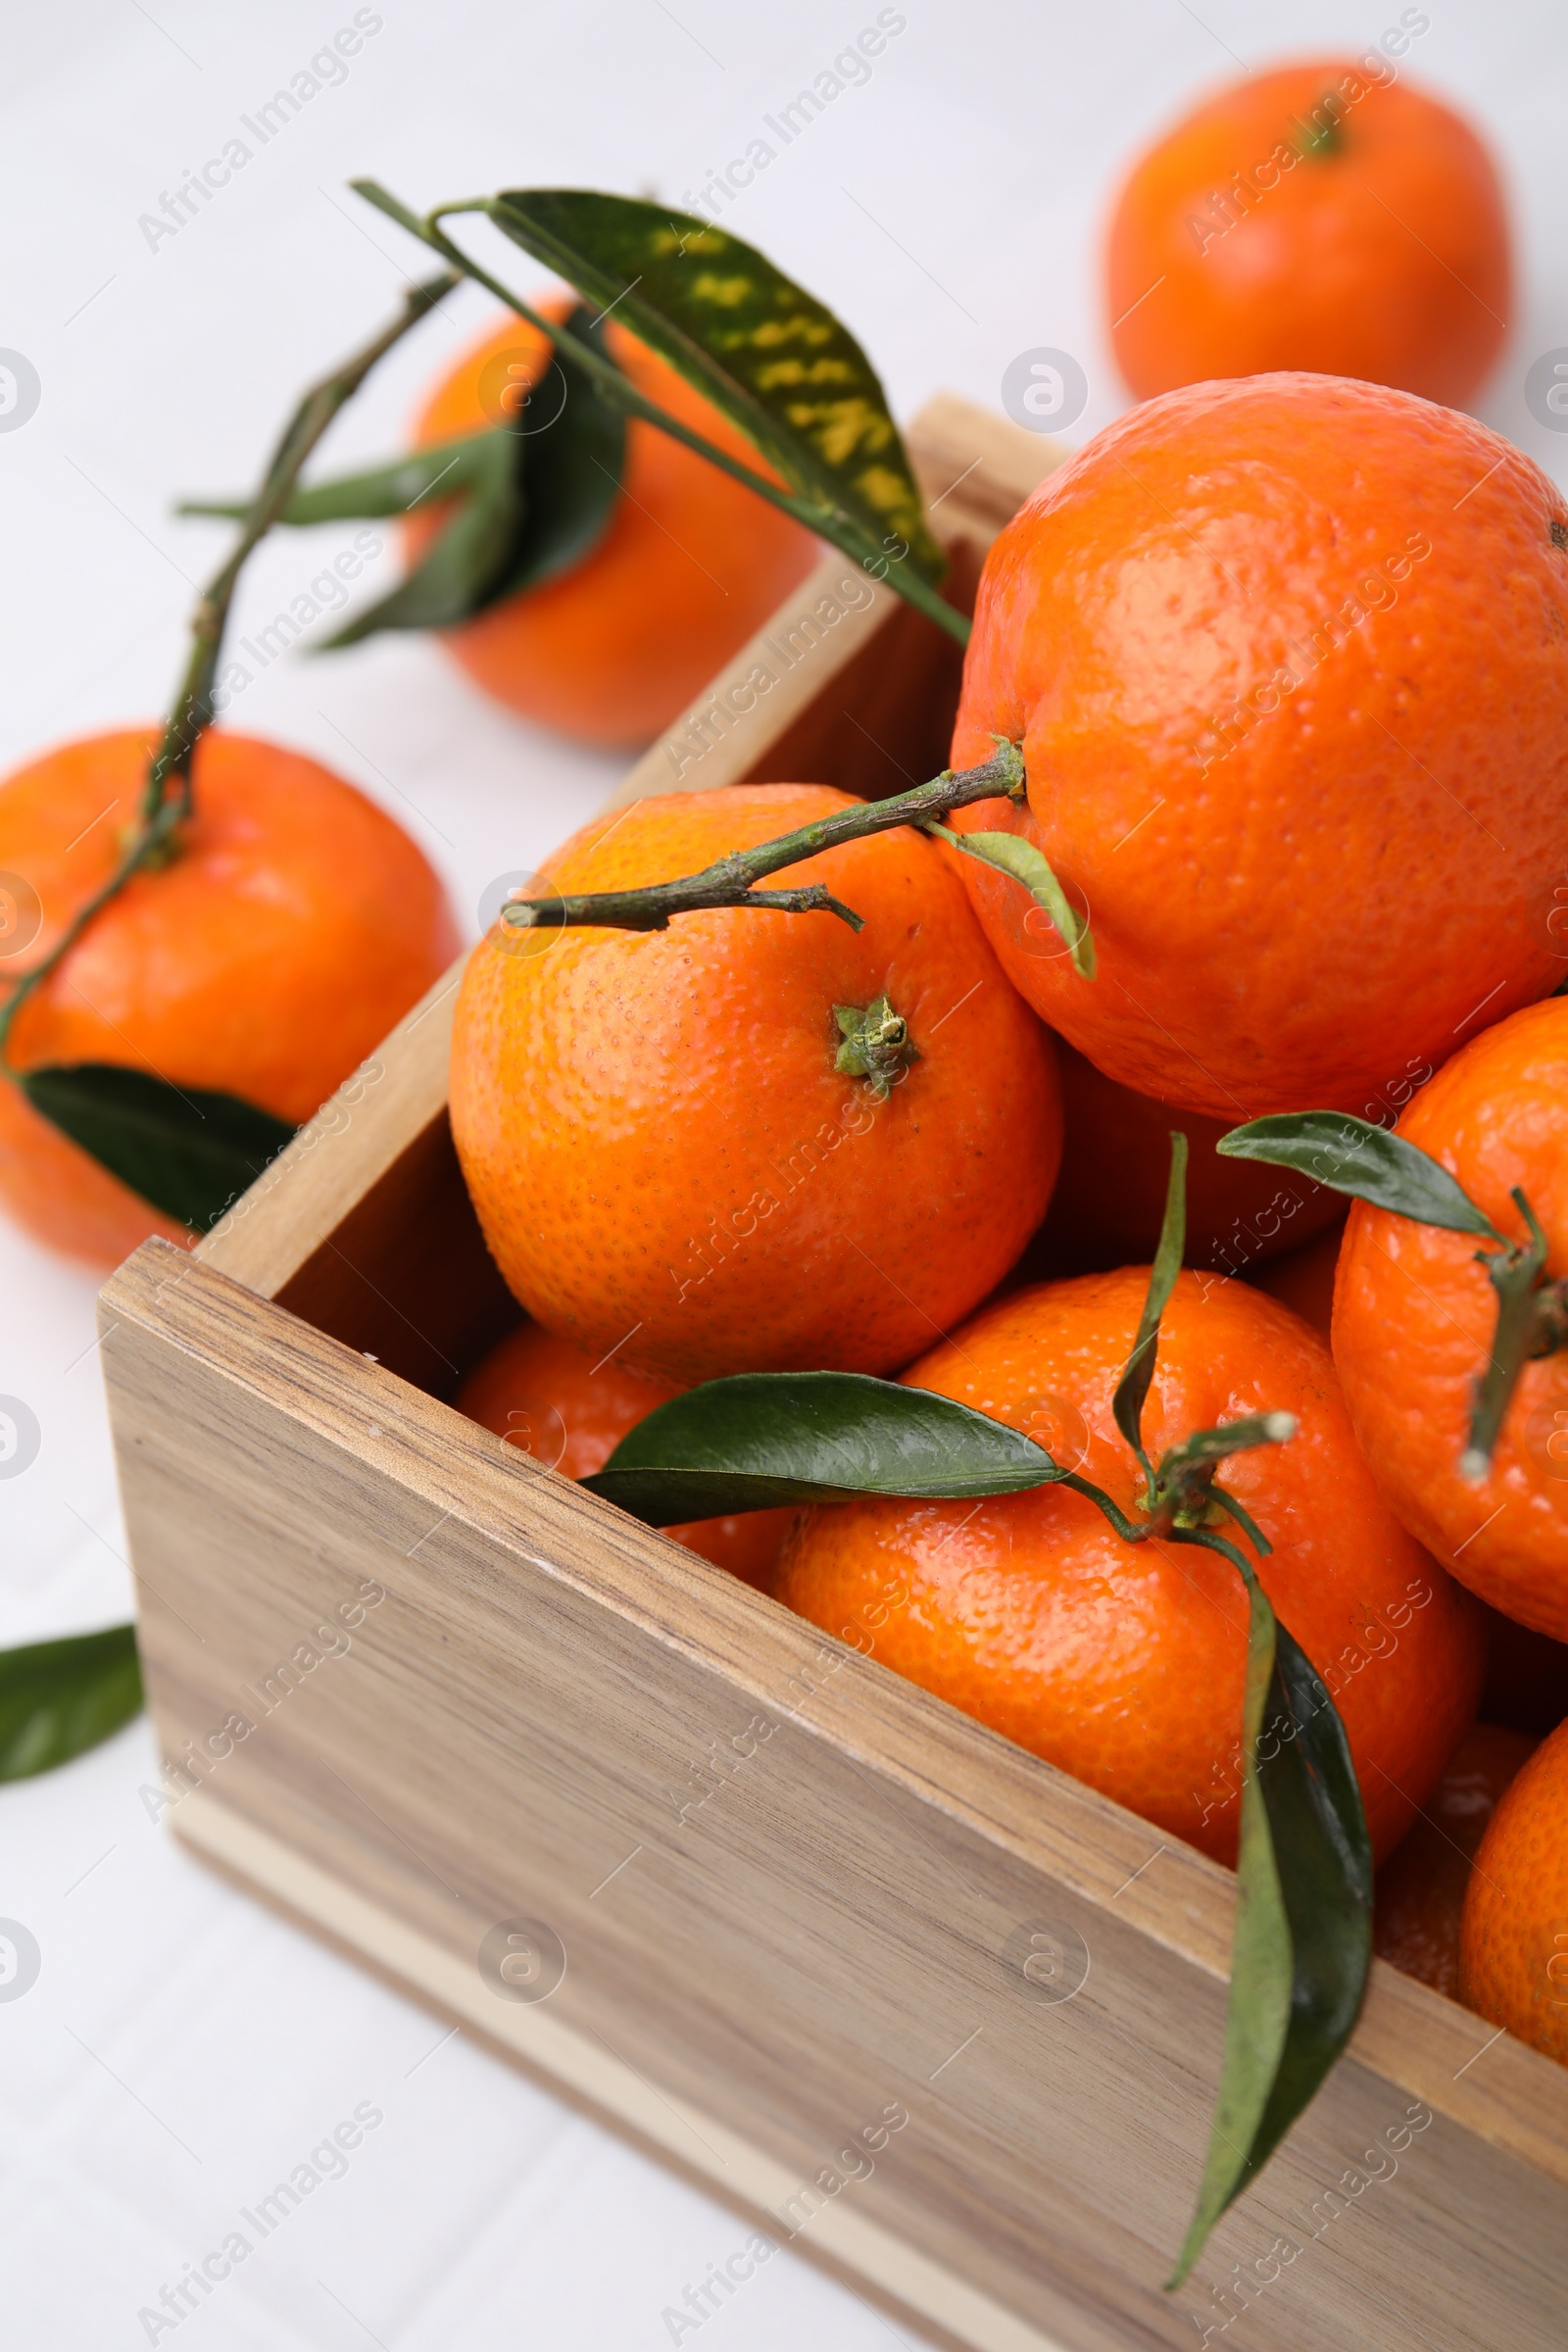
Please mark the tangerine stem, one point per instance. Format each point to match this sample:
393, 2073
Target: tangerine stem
1532, 1321
167, 800
729, 881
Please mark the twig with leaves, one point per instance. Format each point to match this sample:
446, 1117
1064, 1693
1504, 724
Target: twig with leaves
1351, 1156
768, 355
186, 1149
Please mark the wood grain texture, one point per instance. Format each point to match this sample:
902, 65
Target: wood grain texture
340, 1156
533, 2036
791, 1888
541, 1721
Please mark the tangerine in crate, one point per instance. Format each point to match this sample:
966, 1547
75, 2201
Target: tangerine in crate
1285, 659
773, 1142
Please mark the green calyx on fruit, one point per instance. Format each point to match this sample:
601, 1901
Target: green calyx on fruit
877, 1045
1320, 136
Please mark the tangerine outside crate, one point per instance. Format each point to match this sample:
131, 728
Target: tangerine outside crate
798, 1897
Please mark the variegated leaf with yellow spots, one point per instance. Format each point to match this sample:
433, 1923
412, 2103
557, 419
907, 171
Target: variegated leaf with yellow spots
768, 355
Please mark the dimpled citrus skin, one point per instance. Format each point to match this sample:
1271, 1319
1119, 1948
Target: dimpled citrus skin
1288, 914
1124, 1664
547, 1397
665, 1160
1380, 252
1414, 1317
690, 563
296, 926
1421, 1889
1513, 1936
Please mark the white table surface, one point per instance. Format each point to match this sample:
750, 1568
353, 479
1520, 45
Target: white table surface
182, 2048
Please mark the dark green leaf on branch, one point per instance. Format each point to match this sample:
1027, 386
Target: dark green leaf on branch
190, 1151
761, 1438
768, 355
447, 467
1351, 1156
1303, 1921
57, 1698
453, 579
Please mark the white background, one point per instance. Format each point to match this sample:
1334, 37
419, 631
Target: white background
181, 2049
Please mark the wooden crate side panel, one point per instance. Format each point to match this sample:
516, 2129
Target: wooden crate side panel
584, 2066
354, 1144
884, 720
825, 1929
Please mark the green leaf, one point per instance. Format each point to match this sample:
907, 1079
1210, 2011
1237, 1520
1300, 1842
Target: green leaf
767, 353
57, 1698
455, 575
190, 1151
572, 473
1351, 1156
1302, 1943
760, 1438
391, 489
1014, 855
1133, 1387
530, 502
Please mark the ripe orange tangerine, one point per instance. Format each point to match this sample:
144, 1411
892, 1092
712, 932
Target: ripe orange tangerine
1415, 1318
1289, 661
689, 565
1421, 1887
670, 1160
1124, 1664
294, 927
544, 1396
1325, 216
1513, 1937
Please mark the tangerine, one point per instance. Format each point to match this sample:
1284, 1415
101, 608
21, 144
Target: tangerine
1513, 1936
1421, 1887
1289, 661
1415, 1317
295, 924
689, 565
1109, 1200
544, 1396
1124, 1664
1318, 216
668, 1151
1304, 1279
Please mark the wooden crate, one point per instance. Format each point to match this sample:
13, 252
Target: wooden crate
934, 2012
